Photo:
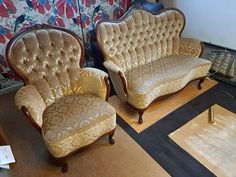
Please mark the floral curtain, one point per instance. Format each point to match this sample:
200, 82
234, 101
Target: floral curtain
76, 15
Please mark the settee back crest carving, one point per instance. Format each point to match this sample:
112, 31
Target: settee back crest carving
140, 37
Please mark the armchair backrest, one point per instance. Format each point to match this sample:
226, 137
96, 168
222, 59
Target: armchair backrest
140, 37
49, 58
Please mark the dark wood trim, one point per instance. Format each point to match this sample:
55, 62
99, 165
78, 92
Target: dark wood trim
108, 88
30, 119
126, 15
62, 161
200, 83
122, 77
141, 111
202, 49
2, 140
35, 28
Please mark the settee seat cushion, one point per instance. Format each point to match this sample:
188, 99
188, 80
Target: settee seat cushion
161, 77
75, 121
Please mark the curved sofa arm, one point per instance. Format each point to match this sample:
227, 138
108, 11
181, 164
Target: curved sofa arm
118, 79
190, 47
32, 104
94, 81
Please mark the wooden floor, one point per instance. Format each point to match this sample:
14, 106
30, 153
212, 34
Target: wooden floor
124, 159
161, 108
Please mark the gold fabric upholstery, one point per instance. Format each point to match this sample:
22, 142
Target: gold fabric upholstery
66, 120
48, 59
149, 52
162, 77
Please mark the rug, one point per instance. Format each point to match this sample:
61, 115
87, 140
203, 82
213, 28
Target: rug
123, 159
213, 145
159, 109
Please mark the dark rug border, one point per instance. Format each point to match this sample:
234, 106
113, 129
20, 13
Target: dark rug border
155, 141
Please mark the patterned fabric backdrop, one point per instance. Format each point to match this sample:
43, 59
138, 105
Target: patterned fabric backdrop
16, 15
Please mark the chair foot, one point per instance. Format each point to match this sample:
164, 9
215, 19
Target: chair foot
140, 120
111, 140
64, 167
61, 163
200, 83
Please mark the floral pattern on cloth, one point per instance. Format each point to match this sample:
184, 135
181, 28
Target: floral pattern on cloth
75, 15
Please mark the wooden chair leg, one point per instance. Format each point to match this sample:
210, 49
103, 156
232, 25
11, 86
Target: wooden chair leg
140, 119
62, 163
111, 140
200, 82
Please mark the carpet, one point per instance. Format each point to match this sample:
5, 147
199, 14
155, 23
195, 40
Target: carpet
213, 145
123, 159
161, 108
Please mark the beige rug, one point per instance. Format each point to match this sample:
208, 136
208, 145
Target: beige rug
213, 145
161, 108
124, 159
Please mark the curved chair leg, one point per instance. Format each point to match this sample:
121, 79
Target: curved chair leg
140, 119
200, 82
62, 163
111, 140
64, 167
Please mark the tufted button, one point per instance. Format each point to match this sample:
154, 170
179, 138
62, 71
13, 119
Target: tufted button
60, 62
71, 59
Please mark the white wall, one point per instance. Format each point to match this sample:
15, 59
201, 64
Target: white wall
212, 21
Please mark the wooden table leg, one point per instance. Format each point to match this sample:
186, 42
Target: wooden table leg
211, 115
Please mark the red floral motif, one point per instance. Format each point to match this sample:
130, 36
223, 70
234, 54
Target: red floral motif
85, 21
41, 5
68, 7
88, 3
6, 6
12, 76
55, 20
4, 34
111, 2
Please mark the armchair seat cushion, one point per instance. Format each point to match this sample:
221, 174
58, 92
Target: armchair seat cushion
161, 77
72, 122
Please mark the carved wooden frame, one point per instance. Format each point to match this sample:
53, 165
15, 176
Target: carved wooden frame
120, 74
59, 161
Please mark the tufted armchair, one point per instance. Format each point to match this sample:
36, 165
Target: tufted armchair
146, 57
63, 100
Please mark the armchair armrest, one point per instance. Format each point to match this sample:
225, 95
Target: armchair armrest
32, 104
118, 79
94, 81
190, 47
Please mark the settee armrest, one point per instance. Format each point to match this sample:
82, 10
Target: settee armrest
190, 47
118, 79
32, 104
94, 81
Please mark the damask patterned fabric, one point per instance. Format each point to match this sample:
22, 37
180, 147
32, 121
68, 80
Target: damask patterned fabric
150, 54
67, 102
70, 122
162, 77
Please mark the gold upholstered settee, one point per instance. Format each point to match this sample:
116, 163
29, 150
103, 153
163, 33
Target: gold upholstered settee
146, 57
63, 100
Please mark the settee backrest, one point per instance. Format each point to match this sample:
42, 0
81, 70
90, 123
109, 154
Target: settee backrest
44, 52
140, 37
